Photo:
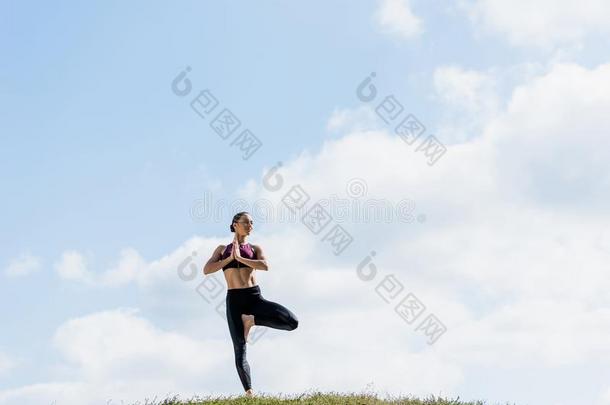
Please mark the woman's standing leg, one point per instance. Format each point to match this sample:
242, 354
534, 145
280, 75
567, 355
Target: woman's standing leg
235, 303
272, 314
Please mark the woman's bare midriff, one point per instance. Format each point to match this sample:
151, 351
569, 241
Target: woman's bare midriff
242, 277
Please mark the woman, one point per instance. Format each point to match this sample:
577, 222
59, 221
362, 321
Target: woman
246, 306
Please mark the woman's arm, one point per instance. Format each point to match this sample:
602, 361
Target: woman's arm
215, 264
259, 264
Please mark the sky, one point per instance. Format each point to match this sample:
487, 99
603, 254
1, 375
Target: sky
464, 256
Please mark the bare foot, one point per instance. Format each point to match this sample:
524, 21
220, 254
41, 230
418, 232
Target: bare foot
250, 393
248, 321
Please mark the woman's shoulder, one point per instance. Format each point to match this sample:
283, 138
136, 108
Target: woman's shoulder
222, 248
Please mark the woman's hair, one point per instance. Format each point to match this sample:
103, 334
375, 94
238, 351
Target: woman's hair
236, 218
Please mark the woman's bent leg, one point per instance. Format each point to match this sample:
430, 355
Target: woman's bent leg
272, 314
236, 328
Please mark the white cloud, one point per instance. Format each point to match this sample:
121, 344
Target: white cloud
22, 266
554, 138
542, 23
35, 394
605, 397
470, 99
72, 266
464, 87
396, 18
131, 267
120, 344
6, 363
121, 356
349, 120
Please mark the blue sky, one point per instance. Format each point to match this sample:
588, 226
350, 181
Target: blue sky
99, 156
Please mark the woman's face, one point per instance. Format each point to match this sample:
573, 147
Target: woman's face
244, 225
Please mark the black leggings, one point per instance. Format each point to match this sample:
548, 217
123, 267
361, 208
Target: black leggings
249, 301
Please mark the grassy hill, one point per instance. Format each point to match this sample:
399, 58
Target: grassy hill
316, 398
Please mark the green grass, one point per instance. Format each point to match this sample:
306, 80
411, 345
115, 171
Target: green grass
315, 398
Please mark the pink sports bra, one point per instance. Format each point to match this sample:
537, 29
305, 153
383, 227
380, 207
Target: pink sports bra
246, 251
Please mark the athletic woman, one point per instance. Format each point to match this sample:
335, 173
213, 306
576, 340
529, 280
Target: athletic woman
246, 306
